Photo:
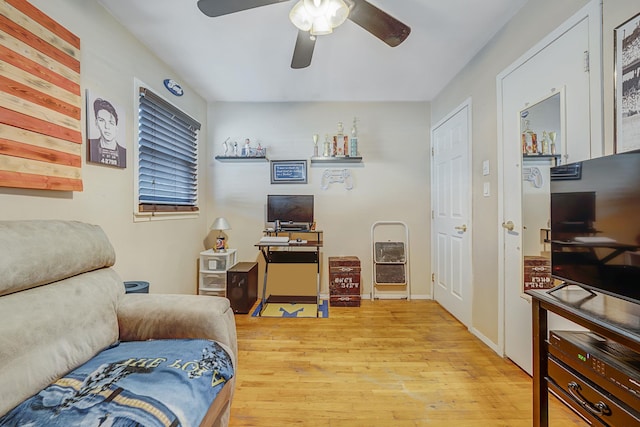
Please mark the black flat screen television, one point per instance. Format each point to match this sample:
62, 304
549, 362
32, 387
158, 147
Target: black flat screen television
595, 225
290, 209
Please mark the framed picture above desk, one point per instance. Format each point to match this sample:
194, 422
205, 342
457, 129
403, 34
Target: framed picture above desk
288, 171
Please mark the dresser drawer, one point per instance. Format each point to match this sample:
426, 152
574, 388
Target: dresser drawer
213, 281
588, 398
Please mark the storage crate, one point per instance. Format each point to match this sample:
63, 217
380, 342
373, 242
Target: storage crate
344, 281
537, 273
213, 281
213, 293
344, 300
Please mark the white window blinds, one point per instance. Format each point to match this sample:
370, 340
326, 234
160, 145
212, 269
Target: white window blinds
167, 156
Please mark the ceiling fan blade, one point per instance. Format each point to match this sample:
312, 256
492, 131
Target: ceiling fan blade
224, 7
303, 51
379, 23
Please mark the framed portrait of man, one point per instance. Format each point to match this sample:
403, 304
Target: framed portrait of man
627, 83
105, 132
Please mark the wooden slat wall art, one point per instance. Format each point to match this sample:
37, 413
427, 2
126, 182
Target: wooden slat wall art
40, 101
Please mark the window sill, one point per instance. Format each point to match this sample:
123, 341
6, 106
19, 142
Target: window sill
162, 216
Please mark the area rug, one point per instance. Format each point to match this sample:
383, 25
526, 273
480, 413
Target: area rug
287, 309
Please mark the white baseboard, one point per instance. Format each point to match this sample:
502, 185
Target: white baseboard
493, 346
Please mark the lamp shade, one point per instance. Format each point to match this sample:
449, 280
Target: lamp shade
319, 17
220, 223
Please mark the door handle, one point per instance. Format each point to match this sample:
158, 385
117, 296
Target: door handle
509, 225
462, 228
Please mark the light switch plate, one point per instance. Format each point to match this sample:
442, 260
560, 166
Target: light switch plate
485, 168
486, 190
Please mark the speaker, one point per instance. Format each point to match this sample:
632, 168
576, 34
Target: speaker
242, 286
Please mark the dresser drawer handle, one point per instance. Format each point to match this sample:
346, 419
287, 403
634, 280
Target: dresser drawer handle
599, 408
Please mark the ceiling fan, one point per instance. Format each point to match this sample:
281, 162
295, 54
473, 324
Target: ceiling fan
374, 20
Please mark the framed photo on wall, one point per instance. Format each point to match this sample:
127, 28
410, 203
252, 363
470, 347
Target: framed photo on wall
105, 132
288, 171
627, 85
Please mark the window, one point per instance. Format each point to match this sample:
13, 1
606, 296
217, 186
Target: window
167, 157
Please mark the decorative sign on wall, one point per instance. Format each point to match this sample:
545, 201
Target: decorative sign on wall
173, 87
104, 141
40, 101
330, 176
288, 171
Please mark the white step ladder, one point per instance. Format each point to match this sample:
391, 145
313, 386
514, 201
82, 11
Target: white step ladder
390, 260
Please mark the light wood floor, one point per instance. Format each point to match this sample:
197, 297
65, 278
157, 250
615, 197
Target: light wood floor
386, 363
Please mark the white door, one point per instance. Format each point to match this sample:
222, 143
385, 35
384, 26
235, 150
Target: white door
559, 63
451, 213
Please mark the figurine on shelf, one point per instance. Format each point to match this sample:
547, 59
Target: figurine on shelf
315, 145
552, 137
327, 146
353, 145
260, 152
235, 148
338, 141
545, 143
529, 140
225, 146
246, 150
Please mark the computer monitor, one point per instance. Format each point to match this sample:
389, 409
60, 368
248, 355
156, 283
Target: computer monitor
294, 210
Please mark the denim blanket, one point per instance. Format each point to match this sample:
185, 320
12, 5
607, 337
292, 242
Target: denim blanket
139, 383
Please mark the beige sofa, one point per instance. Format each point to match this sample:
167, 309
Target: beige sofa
62, 304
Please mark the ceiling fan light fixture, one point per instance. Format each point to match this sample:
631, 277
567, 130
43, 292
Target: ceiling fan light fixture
321, 26
319, 17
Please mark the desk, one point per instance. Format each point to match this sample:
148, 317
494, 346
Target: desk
307, 252
607, 316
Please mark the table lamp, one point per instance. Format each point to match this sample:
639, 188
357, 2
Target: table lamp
220, 224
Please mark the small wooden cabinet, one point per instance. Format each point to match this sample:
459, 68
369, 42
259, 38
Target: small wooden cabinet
242, 286
212, 271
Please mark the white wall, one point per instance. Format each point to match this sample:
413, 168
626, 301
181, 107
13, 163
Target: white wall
478, 80
162, 252
392, 183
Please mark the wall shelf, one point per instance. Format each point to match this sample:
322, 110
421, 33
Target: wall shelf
541, 156
241, 159
336, 159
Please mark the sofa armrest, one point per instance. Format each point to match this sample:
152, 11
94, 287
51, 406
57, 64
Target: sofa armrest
155, 316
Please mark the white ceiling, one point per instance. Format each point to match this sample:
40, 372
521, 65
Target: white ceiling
246, 56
